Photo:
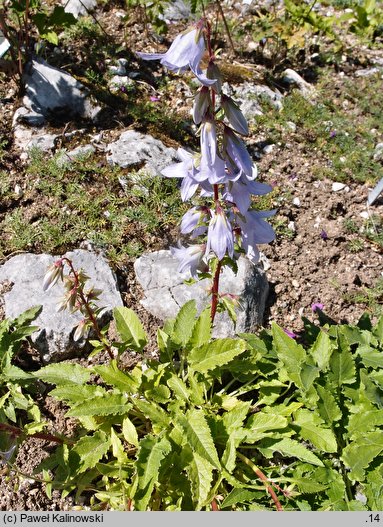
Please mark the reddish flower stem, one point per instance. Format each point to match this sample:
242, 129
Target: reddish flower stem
88, 308
264, 478
14, 431
214, 292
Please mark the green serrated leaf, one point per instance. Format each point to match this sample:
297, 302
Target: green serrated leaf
158, 416
179, 388
63, 373
197, 432
117, 447
262, 425
371, 357
75, 393
238, 495
342, 368
112, 375
111, 404
233, 419
152, 450
215, 354
364, 421
130, 328
328, 407
360, 453
200, 475
321, 351
288, 447
184, 323
201, 333
292, 355
129, 432
88, 451
28, 316
311, 428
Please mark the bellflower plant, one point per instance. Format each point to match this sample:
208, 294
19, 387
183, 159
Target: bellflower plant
221, 177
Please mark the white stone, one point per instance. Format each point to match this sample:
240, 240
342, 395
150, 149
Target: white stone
337, 186
136, 150
166, 292
297, 202
80, 7
54, 339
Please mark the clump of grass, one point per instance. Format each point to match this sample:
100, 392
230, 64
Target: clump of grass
86, 201
338, 134
371, 297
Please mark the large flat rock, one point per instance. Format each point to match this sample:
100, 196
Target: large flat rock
166, 292
26, 273
139, 151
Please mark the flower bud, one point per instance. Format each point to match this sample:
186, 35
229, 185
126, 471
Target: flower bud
234, 115
54, 272
80, 330
201, 104
213, 72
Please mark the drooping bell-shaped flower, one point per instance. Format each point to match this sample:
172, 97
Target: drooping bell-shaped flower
192, 221
190, 258
220, 237
255, 230
187, 47
235, 152
239, 192
186, 51
186, 170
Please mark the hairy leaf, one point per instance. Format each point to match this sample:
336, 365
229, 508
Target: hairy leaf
215, 354
200, 474
342, 368
130, 328
197, 432
288, 447
184, 323
201, 333
359, 454
111, 404
88, 451
152, 451
328, 407
290, 353
311, 428
261, 424
322, 350
129, 432
112, 375
63, 373
179, 388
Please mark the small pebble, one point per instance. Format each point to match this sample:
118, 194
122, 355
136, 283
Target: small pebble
18, 190
268, 149
364, 214
297, 202
336, 186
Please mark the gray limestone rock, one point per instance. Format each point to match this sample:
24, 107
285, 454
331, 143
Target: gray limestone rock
51, 92
292, 78
80, 7
136, 151
378, 152
177, 10
55, 336
166, 292
248, 94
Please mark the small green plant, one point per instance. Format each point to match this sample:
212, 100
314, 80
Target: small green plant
27, 22
245, 423
17, 387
